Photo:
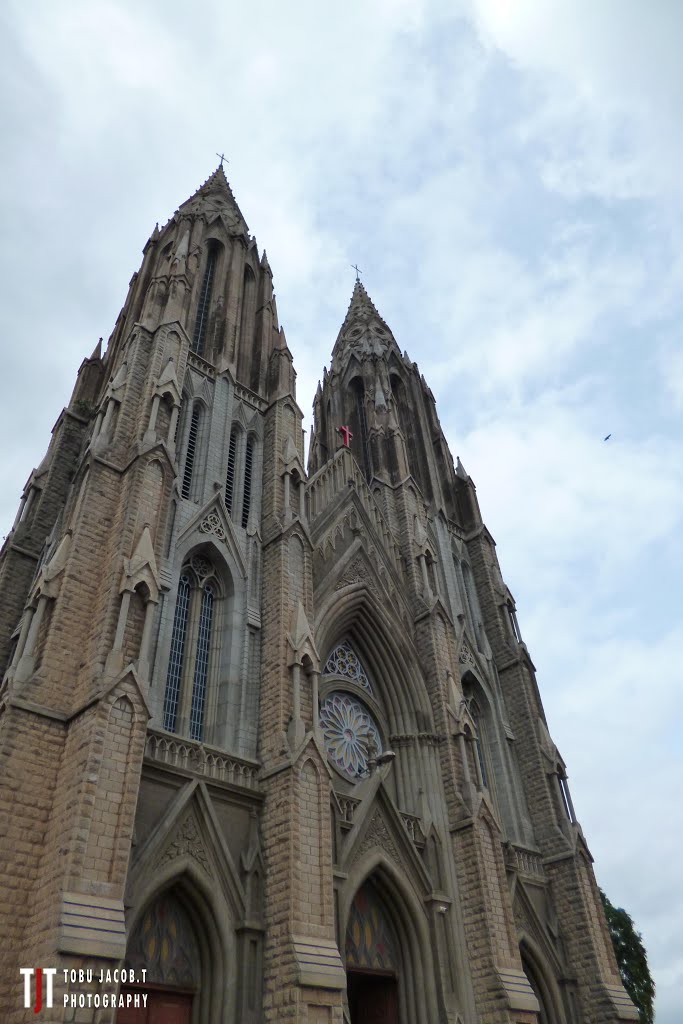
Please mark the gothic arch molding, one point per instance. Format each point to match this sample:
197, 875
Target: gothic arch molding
387, 653
542, 981
417, 989
230, 610
213, 929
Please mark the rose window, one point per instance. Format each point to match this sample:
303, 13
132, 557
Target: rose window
350, 734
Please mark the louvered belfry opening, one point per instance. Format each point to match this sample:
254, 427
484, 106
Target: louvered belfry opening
191, 452
230, 472
248, 472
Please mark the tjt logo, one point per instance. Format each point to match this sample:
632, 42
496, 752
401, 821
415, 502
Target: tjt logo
40, 972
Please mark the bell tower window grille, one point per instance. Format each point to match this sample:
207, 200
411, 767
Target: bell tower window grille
204, 305
230, 472
191, 452
248, 472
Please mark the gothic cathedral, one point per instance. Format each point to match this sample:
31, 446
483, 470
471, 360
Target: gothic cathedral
271, 745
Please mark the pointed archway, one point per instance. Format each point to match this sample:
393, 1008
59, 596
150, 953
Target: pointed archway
542, 982
389, 971
374, 964
165, 944
179, 939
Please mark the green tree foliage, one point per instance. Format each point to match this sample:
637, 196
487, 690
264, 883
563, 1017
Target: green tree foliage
632, 960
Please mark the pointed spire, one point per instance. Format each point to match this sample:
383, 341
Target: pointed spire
460, 469
97, 351
215, 197
281, 341
364, 332
361, 305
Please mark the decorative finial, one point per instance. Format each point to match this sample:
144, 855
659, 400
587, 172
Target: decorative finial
358, 271
222, 157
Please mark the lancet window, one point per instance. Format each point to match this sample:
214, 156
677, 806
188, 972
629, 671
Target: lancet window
204, 305
358, 390
192, 648
479, 740
240, 474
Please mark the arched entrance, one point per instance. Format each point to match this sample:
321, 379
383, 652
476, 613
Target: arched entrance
373, 961
542, 985
164, 943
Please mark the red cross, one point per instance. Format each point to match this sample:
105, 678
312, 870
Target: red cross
346, 435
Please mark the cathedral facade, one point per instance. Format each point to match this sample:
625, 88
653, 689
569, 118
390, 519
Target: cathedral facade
271, 744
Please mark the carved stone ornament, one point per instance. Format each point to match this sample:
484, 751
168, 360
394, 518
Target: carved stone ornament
357, 572
466, 657
212, 524
378, 835
187, 841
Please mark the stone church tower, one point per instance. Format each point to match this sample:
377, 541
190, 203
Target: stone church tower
271, 734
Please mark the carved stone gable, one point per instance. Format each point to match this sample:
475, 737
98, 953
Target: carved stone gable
187, 841
357, 572
378, 834
466, 657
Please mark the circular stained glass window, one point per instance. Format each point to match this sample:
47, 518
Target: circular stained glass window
350, 734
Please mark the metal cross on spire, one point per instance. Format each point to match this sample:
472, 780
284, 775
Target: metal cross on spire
222, 157
358, 271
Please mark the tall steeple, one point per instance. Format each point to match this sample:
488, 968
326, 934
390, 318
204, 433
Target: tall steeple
202, 270
377, 391
363, 334
215, 198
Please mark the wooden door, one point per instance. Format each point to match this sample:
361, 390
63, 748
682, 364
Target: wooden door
373, 998
162, 1008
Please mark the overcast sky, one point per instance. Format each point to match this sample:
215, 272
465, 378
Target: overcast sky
508, 177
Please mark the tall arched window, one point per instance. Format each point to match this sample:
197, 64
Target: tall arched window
361, 441
191, 450
479, 740
204, 305
410, 426
248, 476
246, 336
190, 660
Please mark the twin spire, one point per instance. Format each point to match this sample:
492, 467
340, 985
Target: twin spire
364, 332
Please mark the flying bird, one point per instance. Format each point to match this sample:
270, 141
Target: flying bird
607, 438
